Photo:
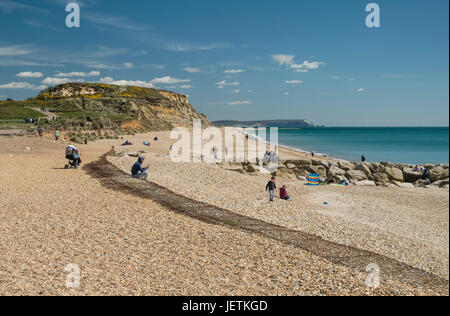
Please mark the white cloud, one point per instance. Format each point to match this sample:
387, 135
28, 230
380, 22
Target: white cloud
144, 84
102, 66
224, 83
240, 103
192, 69
14, 51
284, 59
22, 85
286, 93
57, 81
306, 66
237, 91
169, 80
128, 65
361, 90
78, 74
288, 60
234, 71
336, 78
29, 74
294, 81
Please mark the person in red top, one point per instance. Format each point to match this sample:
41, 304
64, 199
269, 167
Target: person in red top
284, 193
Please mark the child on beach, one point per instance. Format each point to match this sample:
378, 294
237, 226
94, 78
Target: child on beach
284, 194
271, 186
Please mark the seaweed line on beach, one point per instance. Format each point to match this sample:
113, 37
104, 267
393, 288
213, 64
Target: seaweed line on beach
113, 178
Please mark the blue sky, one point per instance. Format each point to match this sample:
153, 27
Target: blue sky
243, 59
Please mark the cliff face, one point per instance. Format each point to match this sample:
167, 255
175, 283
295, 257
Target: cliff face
120, 107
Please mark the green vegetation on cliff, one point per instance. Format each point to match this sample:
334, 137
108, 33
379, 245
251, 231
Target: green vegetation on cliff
88, 106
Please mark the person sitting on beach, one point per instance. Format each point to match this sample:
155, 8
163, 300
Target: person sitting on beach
138, 172
284, 194
271, 186
127, 143
73, 155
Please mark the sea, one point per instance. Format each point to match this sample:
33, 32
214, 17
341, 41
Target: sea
412, 145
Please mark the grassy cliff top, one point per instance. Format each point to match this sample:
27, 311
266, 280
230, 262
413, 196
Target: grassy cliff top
98, 90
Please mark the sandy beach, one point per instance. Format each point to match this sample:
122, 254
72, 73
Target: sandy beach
126, 245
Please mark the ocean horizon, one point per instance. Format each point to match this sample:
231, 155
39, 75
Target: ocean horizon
412, 145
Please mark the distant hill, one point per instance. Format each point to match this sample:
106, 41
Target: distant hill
269, 123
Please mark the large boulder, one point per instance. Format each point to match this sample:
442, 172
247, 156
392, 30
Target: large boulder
356, 175
301, 162
321, 170
365, 183
439, 173
404, 185
340, 179
364, 167
285, 173
380, 177
345, 165
377, 167
395, 174
335, 171
411, 176
300, 173
441, 183
291, 166
422, 183
324, 163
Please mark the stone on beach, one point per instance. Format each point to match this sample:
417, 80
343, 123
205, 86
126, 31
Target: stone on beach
356, 175
334, 171
364, 167
395, 174
365, 183
411, 176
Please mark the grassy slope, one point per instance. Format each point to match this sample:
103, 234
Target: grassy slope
14, 111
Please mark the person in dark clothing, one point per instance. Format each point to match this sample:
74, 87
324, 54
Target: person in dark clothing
363, 158
271, 186
138, 172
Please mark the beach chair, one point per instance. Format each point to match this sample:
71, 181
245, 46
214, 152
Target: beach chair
313, 179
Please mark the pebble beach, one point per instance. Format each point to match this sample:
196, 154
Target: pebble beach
126, 245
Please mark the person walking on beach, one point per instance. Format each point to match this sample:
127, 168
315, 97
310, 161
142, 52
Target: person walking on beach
56, 135
138, 172
271, 186
284, 194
